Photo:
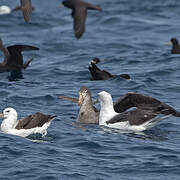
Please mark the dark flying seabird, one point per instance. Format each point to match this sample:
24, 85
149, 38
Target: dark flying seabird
13, 58
79, 13
132, 120
98, 74
26, 7
36, 123
18, 8
175, 46
145, 105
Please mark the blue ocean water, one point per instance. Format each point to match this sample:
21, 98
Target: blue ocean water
131, 36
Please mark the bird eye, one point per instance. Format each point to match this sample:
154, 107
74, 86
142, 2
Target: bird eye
7, 111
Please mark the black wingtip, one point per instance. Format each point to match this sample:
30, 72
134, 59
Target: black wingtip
53, 116
125, 76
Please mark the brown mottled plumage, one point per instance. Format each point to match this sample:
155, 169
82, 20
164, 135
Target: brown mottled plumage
87, 112
26, 7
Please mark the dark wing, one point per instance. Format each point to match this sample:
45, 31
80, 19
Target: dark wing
109, 75
125, 76
15, 61
135, 100
35, 120
135, 117
26, 7
26, 64
143, 102
95, 72
93, 7
98, 74
79, 15
75, 100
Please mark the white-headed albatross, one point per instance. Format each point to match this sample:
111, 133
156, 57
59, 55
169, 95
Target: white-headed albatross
89, 114
32, 124
132, 120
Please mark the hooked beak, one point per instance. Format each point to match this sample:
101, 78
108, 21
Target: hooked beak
1, 115
80, 99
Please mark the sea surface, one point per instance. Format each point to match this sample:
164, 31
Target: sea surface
130, 36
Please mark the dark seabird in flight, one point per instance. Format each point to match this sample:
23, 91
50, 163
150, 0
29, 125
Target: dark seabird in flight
79, 13
26, 7
175, 46
18, 8
32, 124
144, 105
132, 120
13, 58
98, 74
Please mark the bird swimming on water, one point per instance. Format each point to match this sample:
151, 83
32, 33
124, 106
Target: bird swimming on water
4, 9
135, 119
88, 114
79, 14
13, 58
175, 46
32, 124
144, 105
98, 74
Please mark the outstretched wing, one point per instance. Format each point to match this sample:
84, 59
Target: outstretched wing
15, 61
79, 15
143, 102
26, 7
98, 74
75, 100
